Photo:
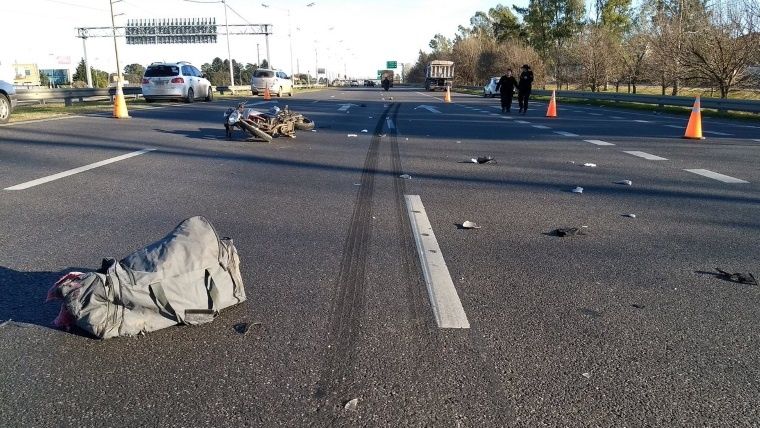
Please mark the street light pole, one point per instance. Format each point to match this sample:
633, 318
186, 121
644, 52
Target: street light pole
116, 47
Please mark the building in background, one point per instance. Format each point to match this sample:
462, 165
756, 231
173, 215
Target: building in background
57, 76
26, 74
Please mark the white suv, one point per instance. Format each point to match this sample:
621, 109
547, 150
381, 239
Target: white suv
175, 80
276, 80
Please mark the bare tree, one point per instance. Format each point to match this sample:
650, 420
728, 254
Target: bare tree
721, 53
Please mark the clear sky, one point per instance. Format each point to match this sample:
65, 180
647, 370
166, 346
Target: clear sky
358, 36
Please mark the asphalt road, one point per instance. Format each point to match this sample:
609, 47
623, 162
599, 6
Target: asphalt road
624, 326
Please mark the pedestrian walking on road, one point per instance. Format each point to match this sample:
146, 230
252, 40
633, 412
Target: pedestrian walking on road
524, 87
506, 87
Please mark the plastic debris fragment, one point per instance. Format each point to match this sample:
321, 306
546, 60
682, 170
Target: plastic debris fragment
577, 190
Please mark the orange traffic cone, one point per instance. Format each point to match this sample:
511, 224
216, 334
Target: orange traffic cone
694, 128
267, 94
120, 105
447, 98
552, 110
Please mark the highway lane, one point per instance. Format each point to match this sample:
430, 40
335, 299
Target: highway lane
660, 343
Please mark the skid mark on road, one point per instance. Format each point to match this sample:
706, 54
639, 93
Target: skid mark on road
49, 178
716, 176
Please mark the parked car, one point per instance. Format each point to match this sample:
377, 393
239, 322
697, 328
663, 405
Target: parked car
369, 83
354, 83
7, 101
277, 81
175, 80
489, 90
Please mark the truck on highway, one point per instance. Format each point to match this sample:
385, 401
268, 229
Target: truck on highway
439, 75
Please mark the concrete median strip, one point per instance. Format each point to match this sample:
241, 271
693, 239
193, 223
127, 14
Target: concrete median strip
716, 176
49, 178
447, 308
645, 155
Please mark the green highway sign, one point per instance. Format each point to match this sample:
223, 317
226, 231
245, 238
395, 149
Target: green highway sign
391, 65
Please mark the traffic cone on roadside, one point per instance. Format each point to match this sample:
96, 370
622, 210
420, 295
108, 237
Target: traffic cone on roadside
694, 127
447, 98
552, 110
267, 94
120, 105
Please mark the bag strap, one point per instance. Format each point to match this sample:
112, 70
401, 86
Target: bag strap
212, 291
160, 298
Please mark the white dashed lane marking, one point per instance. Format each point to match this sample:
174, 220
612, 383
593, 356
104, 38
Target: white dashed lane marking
645, 155
566, 134
49, 178
642, 121
599, 142
716, 176
444, 299
540, 127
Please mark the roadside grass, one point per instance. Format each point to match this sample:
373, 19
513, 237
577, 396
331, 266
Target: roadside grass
684, 111
50, 110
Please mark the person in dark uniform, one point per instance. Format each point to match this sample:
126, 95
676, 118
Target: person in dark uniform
524, 87
506, 87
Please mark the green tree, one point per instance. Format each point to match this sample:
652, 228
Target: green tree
44, 80
441, 45
133, 73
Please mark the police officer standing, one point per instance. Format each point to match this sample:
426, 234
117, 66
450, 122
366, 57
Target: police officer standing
524, 87
506, 88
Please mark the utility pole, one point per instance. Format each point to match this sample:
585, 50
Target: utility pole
229, 54
120, 106
258, 56
88, 72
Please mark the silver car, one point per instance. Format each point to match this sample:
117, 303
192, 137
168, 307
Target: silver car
175, 80
7, 101
489, 90
277, 81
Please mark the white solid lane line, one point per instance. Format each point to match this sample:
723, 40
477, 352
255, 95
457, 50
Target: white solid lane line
722, 134
540, 127
63, 174
566, 134
599, 142
642, 121
715, 176
447, 308
675, 126
644, 155
23, 122
522, 121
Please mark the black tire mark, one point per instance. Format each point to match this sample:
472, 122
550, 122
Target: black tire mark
335, 379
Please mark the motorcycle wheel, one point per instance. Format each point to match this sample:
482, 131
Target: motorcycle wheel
305, 124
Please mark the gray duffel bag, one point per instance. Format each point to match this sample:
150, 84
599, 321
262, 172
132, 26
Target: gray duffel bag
185, 278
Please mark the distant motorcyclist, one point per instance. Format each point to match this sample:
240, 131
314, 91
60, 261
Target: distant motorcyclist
506, 87
524, 86
386, 83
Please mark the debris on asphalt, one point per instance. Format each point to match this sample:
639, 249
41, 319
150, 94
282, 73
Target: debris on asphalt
629, 215
244, 327
587, 375
570, 231
469, 225
739, 278
578, 189
364, 131
480, 160
313, 130
589, 165
351, 405
625, 182
405, 176
352, 135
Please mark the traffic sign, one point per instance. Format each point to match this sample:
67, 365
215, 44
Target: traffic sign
391, 64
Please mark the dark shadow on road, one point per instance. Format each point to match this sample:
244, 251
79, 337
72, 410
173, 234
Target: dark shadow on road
24, 295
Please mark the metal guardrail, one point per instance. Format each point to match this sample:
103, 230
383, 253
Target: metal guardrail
68, 95
749, 106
